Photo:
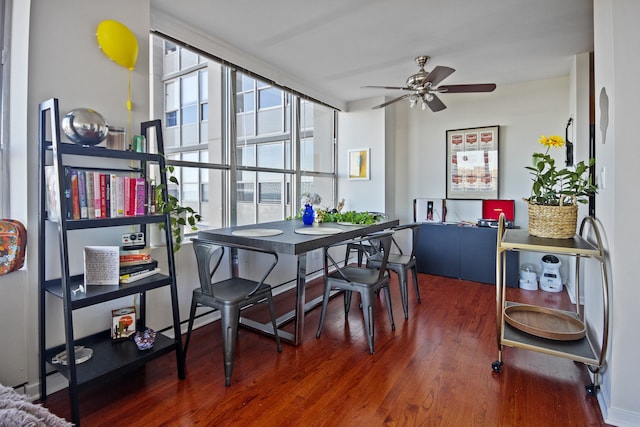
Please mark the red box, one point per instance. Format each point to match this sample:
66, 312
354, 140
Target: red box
491, 209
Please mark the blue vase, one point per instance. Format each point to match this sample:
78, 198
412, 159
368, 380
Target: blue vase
307, 215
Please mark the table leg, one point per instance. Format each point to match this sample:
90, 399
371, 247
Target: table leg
300, 298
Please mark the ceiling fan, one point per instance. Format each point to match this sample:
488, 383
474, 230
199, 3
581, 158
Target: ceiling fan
423, 87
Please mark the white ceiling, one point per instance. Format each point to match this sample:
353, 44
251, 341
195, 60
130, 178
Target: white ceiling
333, 47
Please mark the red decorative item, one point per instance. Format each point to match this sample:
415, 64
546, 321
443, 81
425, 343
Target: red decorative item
491, 209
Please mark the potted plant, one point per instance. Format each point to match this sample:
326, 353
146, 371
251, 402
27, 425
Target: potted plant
555, 192
179, 215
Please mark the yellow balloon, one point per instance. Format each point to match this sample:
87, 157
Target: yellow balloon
118, 43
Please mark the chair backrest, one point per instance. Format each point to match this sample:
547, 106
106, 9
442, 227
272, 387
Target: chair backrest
379, 241
210, 254
208, 258
415, 231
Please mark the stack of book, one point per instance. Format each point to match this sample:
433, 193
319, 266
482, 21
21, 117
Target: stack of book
136, 264
89, 194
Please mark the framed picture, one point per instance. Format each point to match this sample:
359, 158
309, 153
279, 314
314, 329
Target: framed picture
359, 161
472, 163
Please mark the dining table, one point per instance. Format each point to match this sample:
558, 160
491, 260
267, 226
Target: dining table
290, 237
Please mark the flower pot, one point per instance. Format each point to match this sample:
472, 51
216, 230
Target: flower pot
555, 222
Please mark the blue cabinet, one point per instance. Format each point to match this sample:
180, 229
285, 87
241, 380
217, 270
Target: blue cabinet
467, 253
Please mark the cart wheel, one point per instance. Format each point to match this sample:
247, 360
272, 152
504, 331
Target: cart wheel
592, 389
496, 366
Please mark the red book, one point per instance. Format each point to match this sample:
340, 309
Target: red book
103, 195
130, 197
75, 195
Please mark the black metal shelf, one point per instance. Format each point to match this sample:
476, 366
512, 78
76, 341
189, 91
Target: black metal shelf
83, 224
97, 294
109, 356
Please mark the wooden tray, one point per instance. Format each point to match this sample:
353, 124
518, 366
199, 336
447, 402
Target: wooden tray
545, 322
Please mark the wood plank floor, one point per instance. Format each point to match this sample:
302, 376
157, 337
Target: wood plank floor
433, 370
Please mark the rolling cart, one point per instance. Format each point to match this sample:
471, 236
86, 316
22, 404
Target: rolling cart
567, 334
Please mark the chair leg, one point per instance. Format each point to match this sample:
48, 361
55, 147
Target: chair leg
389, 308
325, 301
347, 301
414, 272
404, 291
192, 315
368, 314
273, 322
230, 317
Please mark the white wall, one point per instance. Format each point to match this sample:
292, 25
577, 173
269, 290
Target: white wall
362, 127
64, 61
617, 43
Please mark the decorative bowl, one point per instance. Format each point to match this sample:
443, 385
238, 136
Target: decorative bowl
145, 339
84, 126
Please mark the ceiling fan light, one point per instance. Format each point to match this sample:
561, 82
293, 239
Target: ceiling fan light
412, 102
427, 97
424, 105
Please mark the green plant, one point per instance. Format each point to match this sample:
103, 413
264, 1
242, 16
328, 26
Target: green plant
179, 215
551, 183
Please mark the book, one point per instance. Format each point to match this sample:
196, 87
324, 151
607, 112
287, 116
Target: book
139, 251
103, 195
96, 195
140, 197
91, 207
101, 265
140, 275
141, 257
113, 196
137, 262
127, 269
107, 194
120, 195
82, 194
75, 195
128, 210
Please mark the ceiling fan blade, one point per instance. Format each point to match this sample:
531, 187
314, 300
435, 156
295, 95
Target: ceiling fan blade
488, 87
438, 74
387, 87
392, 101
436, 104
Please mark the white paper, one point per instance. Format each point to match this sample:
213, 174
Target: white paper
101, 265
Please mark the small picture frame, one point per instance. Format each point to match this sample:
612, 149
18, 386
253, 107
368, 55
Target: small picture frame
123, 323
359, 163
472, 163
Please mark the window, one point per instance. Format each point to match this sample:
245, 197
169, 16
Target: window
261, 181
4, 99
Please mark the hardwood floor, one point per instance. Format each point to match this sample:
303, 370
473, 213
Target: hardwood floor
433, 370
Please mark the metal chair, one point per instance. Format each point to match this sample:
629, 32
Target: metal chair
361, 248
366, 281
229, 296
401, 263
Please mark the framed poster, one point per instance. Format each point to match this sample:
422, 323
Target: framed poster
359, 163
472, 163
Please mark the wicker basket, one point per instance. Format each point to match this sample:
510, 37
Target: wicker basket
555, 222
